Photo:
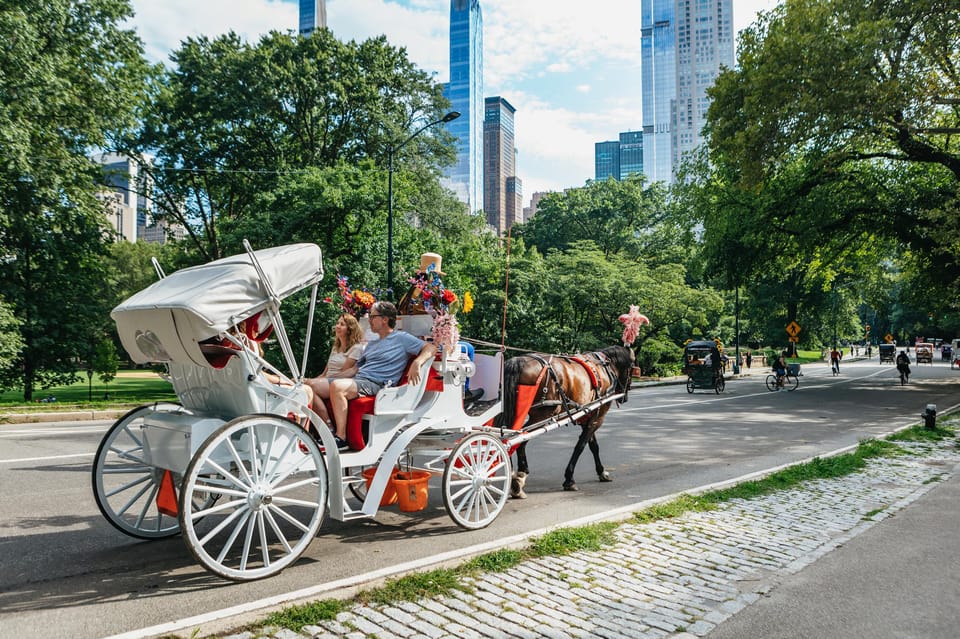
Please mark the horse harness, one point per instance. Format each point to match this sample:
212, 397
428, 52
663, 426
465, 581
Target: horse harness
592, 372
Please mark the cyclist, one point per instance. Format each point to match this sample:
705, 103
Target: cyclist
780, 368
835, 356
903, 365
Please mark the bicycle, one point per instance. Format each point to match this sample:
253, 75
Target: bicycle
790, 382
835, 367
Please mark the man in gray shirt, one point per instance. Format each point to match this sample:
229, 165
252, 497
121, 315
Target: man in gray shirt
382, 364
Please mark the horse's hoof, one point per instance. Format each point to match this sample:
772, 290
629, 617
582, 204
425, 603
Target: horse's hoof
517, 483
605, 476
571, 486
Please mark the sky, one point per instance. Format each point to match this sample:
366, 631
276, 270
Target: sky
570, 68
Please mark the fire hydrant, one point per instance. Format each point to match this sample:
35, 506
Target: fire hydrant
929, 416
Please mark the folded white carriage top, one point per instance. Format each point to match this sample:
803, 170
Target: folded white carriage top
166, 321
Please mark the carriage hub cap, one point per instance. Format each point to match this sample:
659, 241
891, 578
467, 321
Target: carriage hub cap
259, 498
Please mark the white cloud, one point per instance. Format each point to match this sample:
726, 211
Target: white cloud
572, 71
164, 25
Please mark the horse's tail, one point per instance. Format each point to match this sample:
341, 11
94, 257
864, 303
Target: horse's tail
511, 382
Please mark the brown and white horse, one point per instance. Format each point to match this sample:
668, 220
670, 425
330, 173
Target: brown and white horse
538, 387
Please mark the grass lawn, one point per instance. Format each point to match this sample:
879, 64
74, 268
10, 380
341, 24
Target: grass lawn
128, 387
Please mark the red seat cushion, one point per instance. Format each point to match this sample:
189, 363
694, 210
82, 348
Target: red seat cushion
360, 406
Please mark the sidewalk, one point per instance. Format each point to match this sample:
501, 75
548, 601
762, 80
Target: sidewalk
830, 558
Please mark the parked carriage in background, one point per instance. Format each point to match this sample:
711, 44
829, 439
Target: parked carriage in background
702, 366
924, 353
888, 353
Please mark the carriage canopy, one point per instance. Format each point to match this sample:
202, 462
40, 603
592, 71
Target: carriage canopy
700, 353
166, 321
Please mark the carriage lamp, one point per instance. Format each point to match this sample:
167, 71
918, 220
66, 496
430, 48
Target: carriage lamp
929, 416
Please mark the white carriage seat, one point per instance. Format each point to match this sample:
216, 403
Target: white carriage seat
402, 399
238, 388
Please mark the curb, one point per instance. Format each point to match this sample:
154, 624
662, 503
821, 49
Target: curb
65, 416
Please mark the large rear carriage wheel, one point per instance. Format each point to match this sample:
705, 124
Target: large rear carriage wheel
476, 481
124, 485
690, 385
269, 481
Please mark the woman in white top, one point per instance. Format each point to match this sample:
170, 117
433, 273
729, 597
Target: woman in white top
347, 348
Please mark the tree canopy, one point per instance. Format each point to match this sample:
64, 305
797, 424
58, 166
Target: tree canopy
70, 77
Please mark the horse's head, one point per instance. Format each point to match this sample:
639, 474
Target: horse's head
622, 359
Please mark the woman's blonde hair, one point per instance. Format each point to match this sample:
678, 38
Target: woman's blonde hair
354, 334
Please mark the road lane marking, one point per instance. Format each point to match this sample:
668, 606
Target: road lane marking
50, 458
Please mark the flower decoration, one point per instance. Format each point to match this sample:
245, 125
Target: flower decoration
429, 295
467, 302
355, 301
632, 322
445, 331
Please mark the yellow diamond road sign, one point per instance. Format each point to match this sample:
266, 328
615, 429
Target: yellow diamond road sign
793, 329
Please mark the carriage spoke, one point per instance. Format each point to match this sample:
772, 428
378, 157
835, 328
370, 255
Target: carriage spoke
268, 515
228, 544
239, 512
136, 497
146, 505
147, 476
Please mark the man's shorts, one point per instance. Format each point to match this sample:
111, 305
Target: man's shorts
366, 387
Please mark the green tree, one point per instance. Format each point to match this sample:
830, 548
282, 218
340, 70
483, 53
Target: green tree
232, 121
10, 340
618, 217
69, 79
105, 362
839, 126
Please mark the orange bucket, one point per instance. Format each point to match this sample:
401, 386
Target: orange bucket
389, 493
412, 489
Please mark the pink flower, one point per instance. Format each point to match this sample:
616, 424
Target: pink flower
445, 331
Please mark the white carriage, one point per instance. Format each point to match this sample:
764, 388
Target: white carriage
229, 466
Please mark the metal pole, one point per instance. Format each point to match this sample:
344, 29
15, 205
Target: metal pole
390, 221
736, 360
453, 115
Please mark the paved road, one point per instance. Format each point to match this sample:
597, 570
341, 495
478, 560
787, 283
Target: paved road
68, 572
860, 556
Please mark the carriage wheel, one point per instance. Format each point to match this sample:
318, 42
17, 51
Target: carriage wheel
124, 485
721, 384
476, 481
689, 384
771, 382
271, 482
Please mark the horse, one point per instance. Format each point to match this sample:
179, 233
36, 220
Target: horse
553, 385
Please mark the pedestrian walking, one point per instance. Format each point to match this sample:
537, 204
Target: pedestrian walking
749, 359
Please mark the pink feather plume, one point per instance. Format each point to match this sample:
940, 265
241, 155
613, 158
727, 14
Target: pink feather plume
632, 322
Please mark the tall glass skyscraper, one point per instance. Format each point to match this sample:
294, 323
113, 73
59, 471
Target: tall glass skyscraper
465, 92
502, 189
683, 43
313, 15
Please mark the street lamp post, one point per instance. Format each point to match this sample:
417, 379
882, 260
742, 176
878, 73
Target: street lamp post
453, 115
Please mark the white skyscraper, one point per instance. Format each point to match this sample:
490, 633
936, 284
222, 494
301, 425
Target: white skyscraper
683, 44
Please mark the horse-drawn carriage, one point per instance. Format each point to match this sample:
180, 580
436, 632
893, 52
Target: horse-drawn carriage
702, 366
888, 352
924, 353
232, 466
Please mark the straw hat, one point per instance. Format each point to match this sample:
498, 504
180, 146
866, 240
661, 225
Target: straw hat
431, 259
